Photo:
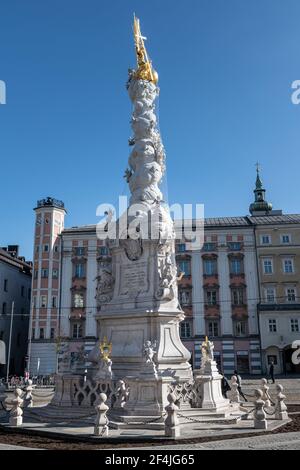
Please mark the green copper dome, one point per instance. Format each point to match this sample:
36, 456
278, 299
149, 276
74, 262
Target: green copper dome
260, 204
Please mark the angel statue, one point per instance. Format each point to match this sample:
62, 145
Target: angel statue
149, 351
207, 352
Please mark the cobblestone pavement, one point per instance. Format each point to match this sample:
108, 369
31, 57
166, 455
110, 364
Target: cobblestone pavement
288, 441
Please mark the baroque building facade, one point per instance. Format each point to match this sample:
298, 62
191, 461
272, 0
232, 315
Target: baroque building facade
15, 295
241, 289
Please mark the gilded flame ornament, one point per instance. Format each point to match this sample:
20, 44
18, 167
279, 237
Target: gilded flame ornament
105, 349
144, 71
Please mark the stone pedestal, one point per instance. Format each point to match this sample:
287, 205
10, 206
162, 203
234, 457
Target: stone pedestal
208, 383
16, 420
147, 397
64, 389
128, 331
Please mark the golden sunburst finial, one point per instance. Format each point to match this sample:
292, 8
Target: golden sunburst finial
105, 349
144, 70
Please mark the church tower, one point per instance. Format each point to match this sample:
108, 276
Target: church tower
45, 317
260, 206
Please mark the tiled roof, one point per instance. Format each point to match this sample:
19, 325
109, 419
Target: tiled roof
276, 219
225, 221
212, 222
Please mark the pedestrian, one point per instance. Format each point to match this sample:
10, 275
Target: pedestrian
239, 383
224, 385
271, 371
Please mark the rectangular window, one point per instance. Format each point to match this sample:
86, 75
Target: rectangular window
54, 301
235, 266
22, 291
43, 301
238, 296
272, 325
54, 273
210, 267
185, 329
34, 301
285, 239
103, 251
213, 329
55, 248
36, 273
211, 297
4, 308
184, 267
5, 285
240, 328
265, 239
78, 300
291, 294
77, 330
294, 325
180, 248
42, 333
52, 333
288, 266
270, 295
184, 297
79, 270
33, 333
44, 273
268, 266
79, 251
46, 247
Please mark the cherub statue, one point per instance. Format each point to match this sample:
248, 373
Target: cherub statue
149, 351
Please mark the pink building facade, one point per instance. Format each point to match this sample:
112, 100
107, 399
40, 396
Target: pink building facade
218, 292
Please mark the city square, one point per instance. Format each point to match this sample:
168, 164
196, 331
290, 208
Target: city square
157, 326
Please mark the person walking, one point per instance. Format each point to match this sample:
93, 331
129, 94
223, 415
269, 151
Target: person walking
239, 383
271, 371
224, 385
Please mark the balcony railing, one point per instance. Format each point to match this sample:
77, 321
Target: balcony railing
50, 201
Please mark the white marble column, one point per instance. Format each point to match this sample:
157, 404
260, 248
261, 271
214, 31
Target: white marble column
225, 294
198, 298
91, 273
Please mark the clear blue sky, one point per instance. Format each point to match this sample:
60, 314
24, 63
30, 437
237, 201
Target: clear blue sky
225, 67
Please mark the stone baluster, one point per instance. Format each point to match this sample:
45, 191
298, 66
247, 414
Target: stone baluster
259, 415
101, 422
281, 409
265, 389
122, 394
234, 395
172, 428
16, 413
28, 399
